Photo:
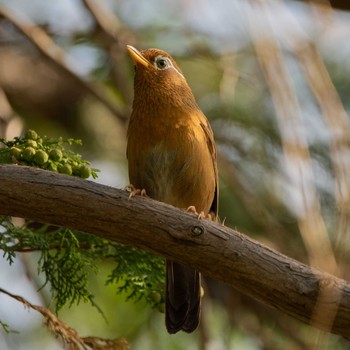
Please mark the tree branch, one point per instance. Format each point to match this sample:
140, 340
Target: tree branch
57, 57
217, 251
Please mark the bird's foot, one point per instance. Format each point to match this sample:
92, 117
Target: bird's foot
135, 191
201, 215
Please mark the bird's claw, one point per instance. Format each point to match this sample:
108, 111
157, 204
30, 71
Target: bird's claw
135, 191
201, 215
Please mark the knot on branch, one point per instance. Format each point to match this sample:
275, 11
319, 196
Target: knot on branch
197, 230
192, 233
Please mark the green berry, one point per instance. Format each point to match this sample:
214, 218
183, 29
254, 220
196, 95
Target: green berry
56, 155
51, 166
32, 143
76, 170
28, 153
161, 308
31, 134
15, 152
41, 157
155, 296
84, 171
65, 169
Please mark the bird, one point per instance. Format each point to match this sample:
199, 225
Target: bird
171, 156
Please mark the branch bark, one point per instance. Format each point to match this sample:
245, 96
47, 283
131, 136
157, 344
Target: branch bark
217, 251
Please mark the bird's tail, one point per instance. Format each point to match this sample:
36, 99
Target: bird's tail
183, 298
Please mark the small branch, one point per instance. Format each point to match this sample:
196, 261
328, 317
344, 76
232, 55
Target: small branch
58, 58
215, 250
105, 20
67, 334
116, 37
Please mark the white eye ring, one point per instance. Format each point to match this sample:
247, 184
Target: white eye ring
163, 63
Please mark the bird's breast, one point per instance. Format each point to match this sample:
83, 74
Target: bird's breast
173, 164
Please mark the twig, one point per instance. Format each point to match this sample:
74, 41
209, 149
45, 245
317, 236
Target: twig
68, 335
106, 21
117, 37
58, 58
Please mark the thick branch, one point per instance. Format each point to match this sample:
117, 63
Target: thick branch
215, 250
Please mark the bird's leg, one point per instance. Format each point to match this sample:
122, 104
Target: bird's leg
135, 191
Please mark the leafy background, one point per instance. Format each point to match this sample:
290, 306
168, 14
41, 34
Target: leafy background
272, 77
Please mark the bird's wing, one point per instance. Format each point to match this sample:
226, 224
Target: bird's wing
212, 150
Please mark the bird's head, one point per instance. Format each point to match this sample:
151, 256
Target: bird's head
158, 76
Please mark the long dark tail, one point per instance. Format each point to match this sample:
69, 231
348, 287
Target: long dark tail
183, 298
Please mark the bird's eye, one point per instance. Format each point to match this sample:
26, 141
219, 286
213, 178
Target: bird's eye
162, 62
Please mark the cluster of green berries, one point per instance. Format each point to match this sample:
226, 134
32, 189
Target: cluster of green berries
47, 154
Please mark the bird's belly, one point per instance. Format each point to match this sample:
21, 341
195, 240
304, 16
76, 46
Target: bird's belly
173, 177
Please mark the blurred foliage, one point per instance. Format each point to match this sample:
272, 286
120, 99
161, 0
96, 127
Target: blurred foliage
215, 46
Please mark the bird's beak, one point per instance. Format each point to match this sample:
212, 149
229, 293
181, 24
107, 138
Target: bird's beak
137, 56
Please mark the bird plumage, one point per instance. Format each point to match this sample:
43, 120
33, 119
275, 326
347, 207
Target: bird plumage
172, 155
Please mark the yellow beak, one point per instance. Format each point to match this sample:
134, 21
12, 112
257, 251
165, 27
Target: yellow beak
137, 56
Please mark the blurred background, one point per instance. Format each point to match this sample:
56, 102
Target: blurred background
273, 79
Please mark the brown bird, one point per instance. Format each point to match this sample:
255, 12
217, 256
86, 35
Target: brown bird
172, 156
